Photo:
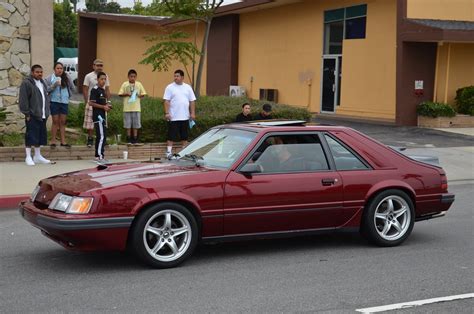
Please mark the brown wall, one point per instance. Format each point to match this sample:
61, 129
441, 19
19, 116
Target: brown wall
41, 30
87, 47
222, 56
417, 62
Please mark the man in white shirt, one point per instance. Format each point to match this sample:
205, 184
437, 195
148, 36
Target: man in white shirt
179, 109
90, 80
34, 104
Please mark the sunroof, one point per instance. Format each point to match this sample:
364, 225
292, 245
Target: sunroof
278, 122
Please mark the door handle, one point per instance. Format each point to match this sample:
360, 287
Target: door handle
328, 182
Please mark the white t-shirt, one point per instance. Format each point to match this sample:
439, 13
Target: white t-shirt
179, 97
41, 88
90, 80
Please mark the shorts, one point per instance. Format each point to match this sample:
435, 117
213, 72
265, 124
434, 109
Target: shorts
36, 134
88, 124
178, 129
58, 108
132, 120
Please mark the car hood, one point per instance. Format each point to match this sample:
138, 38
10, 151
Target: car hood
116, 174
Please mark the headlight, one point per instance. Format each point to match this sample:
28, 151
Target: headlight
71, 204
35, 193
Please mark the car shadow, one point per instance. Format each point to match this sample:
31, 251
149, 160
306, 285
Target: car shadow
324, 244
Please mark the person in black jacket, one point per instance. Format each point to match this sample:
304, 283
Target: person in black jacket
34, 104
266, 113
245, 114
100, 107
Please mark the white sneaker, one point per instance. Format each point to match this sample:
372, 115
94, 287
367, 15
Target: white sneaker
29, 161
41, 160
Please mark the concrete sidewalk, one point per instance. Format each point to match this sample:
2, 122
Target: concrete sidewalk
19, 180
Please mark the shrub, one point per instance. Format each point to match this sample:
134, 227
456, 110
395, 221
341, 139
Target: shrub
435, 109
465, 100
210, 111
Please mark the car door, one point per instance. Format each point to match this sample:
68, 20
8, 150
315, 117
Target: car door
301, 194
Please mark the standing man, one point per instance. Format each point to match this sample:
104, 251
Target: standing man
179, 108
90, 80
34, 104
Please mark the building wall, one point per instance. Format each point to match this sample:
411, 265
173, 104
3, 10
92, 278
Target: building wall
461, 10
459, 73
42, 39
121, 47
287, 56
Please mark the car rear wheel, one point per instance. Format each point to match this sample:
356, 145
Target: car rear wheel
389, 218
164, 235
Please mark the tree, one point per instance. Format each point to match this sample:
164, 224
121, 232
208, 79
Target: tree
202, 11
170, 47
99, 6
65, 25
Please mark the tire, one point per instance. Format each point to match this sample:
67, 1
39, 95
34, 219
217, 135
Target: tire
389, 218
164, 235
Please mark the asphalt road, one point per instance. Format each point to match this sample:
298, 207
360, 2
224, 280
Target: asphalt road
329, 273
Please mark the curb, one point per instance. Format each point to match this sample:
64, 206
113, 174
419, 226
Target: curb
12, 201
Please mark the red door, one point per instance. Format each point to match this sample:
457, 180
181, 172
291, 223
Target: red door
305, 195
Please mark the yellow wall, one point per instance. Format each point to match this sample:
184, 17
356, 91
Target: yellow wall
462, 10
282, 47
460, 72
121, 47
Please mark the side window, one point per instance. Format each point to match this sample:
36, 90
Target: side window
290, 153
343, 158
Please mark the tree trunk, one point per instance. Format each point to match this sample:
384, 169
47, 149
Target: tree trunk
202, 58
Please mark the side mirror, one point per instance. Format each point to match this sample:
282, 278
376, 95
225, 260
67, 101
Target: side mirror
248, 169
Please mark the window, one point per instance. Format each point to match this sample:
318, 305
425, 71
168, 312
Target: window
347, 23
343, 158
290, 153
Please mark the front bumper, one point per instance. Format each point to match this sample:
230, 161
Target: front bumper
85, 234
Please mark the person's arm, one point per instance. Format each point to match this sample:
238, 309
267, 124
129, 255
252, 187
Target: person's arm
122, 92
167, 110
50, 86
23, 101
192, 109
142, 91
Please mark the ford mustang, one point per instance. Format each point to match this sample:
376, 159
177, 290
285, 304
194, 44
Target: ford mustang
242, 181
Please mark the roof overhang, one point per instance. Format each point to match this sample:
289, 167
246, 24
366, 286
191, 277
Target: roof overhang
235, 8
425, 30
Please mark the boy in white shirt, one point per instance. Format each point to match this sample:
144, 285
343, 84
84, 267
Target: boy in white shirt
179, 109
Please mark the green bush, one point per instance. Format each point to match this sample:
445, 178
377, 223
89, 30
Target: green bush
12, 139
210, 111
435, 109
465, 100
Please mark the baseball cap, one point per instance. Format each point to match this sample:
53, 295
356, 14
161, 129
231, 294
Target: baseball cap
98, 61
267, 107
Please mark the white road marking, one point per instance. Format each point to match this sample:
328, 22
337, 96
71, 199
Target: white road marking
406, 305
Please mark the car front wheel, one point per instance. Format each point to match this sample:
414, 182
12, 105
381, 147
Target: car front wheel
164, 235
389, 218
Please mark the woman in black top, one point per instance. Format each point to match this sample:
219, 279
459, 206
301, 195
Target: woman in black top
245, 114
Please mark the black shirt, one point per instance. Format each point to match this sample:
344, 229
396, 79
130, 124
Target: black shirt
98, 96
241, 118
262, 117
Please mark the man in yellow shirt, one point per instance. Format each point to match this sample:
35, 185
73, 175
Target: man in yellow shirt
132, 91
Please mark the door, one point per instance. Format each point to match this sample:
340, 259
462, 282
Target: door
295, 193
330, 83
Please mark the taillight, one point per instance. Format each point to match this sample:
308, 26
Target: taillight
444, 183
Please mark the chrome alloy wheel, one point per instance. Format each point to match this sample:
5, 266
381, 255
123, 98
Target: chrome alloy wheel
392, 218
167, 235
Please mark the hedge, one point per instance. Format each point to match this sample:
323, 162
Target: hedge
435, 109
465, 100
210, 111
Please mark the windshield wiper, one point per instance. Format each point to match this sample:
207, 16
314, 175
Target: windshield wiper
194, 158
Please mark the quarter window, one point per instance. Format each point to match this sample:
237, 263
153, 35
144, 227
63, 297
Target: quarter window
344, 158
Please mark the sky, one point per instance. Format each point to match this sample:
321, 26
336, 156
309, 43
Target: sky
129, 3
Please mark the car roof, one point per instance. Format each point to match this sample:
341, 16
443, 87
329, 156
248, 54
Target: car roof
284, 125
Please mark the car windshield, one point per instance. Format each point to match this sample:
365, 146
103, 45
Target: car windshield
218, 147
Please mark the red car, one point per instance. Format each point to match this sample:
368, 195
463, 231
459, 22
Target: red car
240, 181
